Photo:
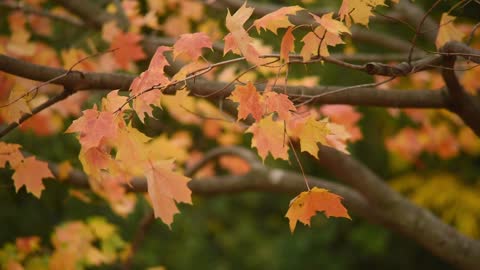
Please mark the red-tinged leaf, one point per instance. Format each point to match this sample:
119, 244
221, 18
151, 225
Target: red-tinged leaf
143, 102
358, 11
230, 45
280, 104
338, 136
30, 173
249, 100
159, 61
94, 126
129, 49
165, 187
191, 45
269, 136
277, 19
331, 25
306, 204
344, 115
287, 44
447, 31
10, 153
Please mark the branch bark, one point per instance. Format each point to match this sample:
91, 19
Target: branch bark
200, 87
405, 217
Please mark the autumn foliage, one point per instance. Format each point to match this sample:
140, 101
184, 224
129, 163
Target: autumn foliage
218, 82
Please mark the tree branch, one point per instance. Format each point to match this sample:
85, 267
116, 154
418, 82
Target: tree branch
413, 221
464, 105
41, 12
55, 99
201, 87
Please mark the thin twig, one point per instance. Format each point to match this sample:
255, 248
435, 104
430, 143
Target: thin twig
66, 93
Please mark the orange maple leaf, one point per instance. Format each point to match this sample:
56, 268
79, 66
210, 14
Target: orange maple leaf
165, 187
30, 173
280, 104
128, 47
312, 43
306, 204
191, 45
331, 25
10, 153
93, 127
249, 101
269, 136
287, 45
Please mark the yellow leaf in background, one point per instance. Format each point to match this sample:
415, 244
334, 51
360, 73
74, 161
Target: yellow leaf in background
64, 170
447, 31
453, 201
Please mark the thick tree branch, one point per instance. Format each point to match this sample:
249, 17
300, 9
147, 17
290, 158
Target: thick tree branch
201, 87
88, 11
464, 105
55, 99
41, 12
413, 221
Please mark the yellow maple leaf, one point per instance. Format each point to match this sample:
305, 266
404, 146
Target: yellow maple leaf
269, 136
313, 132
358, 11
447, 31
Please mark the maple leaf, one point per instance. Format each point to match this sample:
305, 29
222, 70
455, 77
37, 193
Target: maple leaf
287, 44
131, 150
280, 104
331, 25
30, 173
113, 102
314, 45
95, 160
94, 126
230, 45
249, 100
17, 105
277, 19
337, 137
191, 45
240, 40
358, 11
10, 152
447, 31
313, 132
141, 87
306, 204
129, 49
269, 136
165, 187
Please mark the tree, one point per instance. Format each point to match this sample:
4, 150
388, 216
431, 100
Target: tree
176, 97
